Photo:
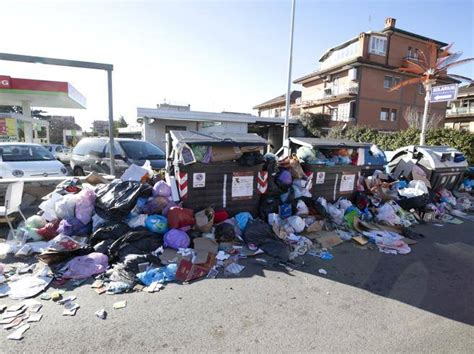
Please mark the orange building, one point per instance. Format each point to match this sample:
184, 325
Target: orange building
354, 79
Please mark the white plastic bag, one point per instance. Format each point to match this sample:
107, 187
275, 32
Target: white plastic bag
414, 189
387, 214
48, 206
296, 223
301, 192
301, 208
65, 208
135, 173
137, 221
336, 214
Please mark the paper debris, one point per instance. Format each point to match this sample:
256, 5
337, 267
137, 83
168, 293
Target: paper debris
102, 314
14, 308
234, 268
18, 334
322, 271
120, 304
34, 317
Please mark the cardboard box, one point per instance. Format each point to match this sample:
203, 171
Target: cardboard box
225, 153
188, 271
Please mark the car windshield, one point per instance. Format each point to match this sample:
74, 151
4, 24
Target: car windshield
141, 150
25, 153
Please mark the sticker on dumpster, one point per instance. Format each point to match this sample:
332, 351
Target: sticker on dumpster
320, 177
242, 185
199, 180
347, 183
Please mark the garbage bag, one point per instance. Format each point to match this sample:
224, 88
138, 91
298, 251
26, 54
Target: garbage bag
115, 200
296, 223
414, 189
155, 205
180, 217
157, 223
137, 221
35, 222
257, 232
306, 154
276, 249
301, 208
139, 241
83, 267
85, 205
161, 189
220, 216
103, 246
251, 159
242, 219
49, 231
284, 178
111, 230
268, 205
66, 206
73, 227
176, 239
225, 232
387, 214
132, 261
160, 275
300, 192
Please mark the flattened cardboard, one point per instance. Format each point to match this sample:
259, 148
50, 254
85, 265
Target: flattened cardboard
188, 271
202, 247
328, 239
361, 240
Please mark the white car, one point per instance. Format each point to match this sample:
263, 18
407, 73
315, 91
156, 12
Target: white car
28, 160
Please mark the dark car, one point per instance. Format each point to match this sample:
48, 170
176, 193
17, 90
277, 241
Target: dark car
92, 155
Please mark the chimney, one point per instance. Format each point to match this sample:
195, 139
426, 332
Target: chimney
390, 22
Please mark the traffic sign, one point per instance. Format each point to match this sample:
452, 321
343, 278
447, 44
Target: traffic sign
444, 93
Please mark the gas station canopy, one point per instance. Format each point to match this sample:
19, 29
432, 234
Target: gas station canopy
39, 93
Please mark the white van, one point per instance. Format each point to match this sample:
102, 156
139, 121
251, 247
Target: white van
28, 160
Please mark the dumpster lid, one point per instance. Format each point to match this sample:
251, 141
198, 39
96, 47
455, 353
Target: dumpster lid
327, 143
206, 138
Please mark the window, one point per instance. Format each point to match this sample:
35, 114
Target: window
389, 81
384, 113
421, 89
378, 45
58, 149
413, 53
85, 146
393, 115
18, 153
141, 150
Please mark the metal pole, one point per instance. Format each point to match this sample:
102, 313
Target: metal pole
288, 91
111, 124
425, 113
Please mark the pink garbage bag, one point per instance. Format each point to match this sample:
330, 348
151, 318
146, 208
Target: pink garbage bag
86, 266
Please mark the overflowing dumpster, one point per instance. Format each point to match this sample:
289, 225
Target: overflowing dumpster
218, 170
333, 166
443, 166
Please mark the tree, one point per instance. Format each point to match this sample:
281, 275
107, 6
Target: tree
35, 113
414, 119
313, 122
122, 122
428, 68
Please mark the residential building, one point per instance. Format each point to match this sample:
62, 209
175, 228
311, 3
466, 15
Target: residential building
460, 113
276, 106
353, 81
100, 127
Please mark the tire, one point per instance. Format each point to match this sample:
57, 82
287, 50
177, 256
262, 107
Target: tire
78, 171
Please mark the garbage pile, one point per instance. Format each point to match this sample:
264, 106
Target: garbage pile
130, 235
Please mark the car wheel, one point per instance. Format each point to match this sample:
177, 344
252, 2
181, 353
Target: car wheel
78, 171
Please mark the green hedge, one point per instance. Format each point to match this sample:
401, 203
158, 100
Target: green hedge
463, 141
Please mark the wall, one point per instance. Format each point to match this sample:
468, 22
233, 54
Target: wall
156, 132
225, 127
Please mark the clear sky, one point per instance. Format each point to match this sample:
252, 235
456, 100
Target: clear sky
215, 55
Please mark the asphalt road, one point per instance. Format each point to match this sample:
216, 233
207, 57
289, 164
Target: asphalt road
368, 301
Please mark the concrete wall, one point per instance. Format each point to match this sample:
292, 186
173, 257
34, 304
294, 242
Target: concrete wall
225, 127
156, 132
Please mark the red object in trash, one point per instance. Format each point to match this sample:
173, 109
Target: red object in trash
49, 231
220, 216
188, 271
180, 217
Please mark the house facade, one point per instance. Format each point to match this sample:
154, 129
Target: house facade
353, 81
276, 106
460, 113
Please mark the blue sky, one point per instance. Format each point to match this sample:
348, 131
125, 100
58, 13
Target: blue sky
215, 55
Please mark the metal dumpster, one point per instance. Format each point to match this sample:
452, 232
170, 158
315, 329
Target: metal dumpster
332, 182
220, 185
444, 166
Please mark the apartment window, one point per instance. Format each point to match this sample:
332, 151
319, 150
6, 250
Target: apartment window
421, 89
393, 115
389, 81
413, 53
378, 45
384, 114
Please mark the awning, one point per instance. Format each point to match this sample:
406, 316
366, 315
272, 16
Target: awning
205, 138
39, 93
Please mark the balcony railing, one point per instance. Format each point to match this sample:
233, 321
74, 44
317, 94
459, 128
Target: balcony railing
460, 111
333, 92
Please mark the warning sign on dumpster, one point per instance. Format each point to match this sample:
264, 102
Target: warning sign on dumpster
242, 185
320, 177
347, 183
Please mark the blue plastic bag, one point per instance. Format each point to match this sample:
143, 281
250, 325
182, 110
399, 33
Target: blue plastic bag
160, 275
242, 220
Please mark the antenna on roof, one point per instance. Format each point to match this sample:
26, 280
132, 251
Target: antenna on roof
370, 22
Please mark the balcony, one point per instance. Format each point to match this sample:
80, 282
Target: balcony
460, 112
331, 94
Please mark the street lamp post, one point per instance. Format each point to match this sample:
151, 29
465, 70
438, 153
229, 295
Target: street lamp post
288, 90
428, 85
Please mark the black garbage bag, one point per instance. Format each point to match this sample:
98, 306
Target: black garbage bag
103, 246
132, 261
251, 159
268, 205
115, 200
52, 256
225, 232
277, 249
271, 166
418, 202
257, 232
138, 241
111, 230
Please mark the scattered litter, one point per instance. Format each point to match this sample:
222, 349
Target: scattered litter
322, 271
34, 317
102, 314
154, 287
234, 268
15, 321
120, 304
70, 309
67, 299
18, 334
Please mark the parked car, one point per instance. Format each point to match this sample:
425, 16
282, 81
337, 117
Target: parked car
92, 155
28, 160
60, 152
